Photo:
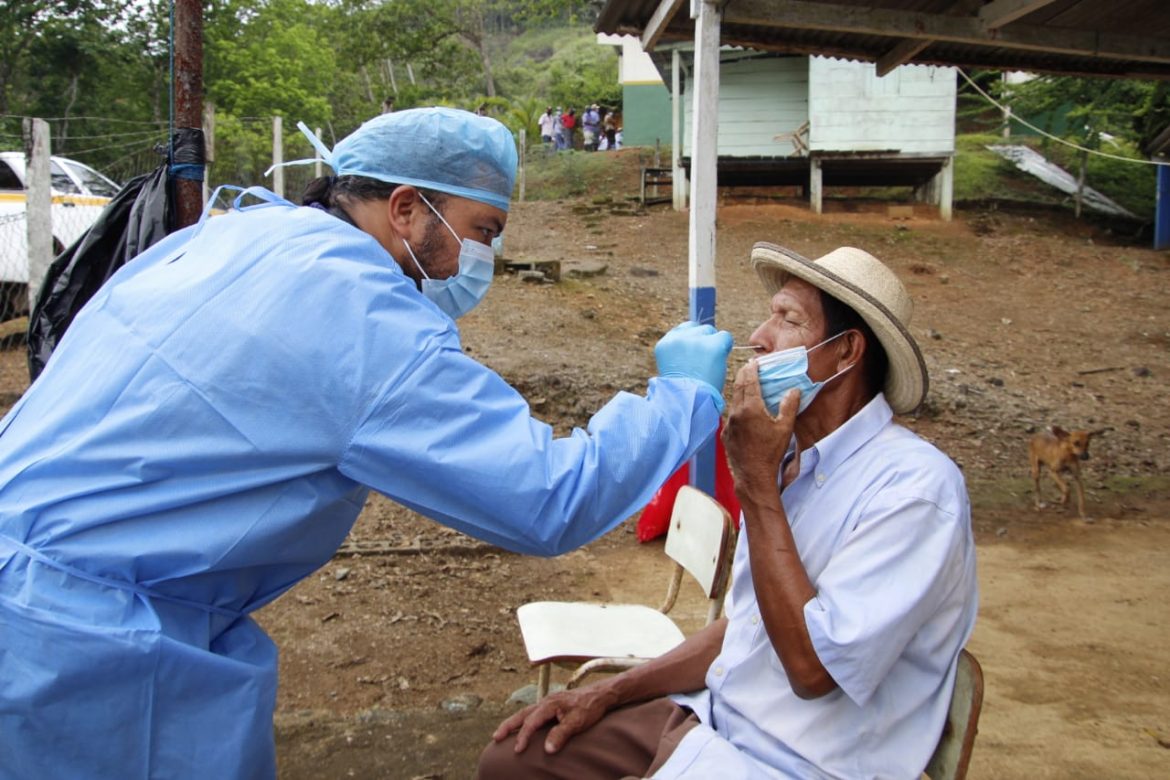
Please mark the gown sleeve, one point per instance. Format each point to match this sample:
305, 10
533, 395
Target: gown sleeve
452, 440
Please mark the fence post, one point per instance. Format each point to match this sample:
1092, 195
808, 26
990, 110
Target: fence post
277, 156
38, 208
208, 147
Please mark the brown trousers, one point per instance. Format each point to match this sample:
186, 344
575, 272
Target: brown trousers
632, 741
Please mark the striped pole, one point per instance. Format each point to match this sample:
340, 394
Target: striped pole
704, 158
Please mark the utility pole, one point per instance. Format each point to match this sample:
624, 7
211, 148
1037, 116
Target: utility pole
187, 157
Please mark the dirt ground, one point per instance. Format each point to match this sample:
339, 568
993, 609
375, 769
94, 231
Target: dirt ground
399, 657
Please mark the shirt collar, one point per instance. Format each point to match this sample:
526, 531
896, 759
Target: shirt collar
835, 449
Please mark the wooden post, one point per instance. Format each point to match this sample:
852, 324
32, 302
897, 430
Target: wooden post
208, 147
815, 193
945, 190
1083, 159
704, 194
677, 190
277, 155
38, 206
657, 165
188, 100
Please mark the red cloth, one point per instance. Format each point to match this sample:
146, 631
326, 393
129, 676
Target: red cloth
655, 519
568, 121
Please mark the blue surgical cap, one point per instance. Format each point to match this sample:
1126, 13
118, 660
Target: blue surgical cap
442, 149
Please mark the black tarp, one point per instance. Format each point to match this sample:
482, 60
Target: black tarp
139, 216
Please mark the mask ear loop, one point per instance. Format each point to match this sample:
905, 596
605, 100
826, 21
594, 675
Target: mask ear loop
842, 371
446, 224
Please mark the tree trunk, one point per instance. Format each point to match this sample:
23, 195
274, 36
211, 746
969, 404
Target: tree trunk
63, 133
488, 80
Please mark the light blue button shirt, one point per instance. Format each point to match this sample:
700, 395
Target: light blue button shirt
882, 523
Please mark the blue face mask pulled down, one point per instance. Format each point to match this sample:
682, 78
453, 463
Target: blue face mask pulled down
786, 370
456, 295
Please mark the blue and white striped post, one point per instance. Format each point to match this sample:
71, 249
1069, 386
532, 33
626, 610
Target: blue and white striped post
704, 160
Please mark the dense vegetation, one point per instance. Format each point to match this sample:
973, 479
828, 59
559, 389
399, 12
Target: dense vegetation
99, 71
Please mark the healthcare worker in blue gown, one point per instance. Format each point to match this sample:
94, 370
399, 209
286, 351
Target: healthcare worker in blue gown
207, 431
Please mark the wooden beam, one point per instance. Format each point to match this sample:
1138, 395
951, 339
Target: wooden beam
908, 48
905, 51
658, 23
997, 13
831, 17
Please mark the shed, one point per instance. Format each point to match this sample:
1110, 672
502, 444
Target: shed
821, 121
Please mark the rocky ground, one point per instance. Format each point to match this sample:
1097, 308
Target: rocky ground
399, 657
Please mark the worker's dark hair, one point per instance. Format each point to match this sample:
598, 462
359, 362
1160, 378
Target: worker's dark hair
839, 318
333, 192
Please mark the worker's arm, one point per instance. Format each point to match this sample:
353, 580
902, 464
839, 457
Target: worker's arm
756, 443
450, 439
681, 670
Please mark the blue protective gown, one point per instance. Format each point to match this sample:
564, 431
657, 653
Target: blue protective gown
203, 438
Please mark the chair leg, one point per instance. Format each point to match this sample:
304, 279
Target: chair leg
542, 681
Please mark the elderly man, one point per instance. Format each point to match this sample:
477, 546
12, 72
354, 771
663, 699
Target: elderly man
209, 428
853, 588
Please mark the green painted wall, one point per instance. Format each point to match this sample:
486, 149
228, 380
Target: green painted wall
645, 114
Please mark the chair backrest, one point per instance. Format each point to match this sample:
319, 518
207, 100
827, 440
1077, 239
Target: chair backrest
953, 753
699, 539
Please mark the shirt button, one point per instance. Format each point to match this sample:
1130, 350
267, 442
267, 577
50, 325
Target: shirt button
755, 620
820, 479
718, 671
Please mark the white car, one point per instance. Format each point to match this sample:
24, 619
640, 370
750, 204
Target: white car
79, 195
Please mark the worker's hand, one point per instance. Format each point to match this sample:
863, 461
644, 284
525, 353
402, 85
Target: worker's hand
754, 440
698, 352
574, 711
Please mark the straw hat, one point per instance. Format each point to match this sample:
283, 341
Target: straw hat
862, 282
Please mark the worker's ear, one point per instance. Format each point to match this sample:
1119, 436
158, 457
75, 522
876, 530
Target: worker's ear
406, 213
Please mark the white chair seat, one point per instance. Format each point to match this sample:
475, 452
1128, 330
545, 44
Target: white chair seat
575, 631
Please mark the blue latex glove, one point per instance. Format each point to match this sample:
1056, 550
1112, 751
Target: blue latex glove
697, 352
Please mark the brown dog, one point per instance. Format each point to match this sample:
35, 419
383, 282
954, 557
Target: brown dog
1060, 450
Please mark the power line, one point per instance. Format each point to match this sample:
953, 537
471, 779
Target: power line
157, 123
1046, 134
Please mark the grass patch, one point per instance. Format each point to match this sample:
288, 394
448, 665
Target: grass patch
608, 176
979, 172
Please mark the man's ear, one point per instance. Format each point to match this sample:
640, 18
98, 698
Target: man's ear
855, 347
402, 209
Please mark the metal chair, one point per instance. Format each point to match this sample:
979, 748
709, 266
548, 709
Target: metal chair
611, 637
953, 753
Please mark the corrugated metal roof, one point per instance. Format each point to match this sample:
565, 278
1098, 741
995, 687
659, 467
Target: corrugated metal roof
1117, 38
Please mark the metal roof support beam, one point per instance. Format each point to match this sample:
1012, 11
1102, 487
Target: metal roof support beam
1000, 12
831, 17
658, 23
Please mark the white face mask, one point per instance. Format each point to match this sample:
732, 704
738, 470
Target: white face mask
458, 294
